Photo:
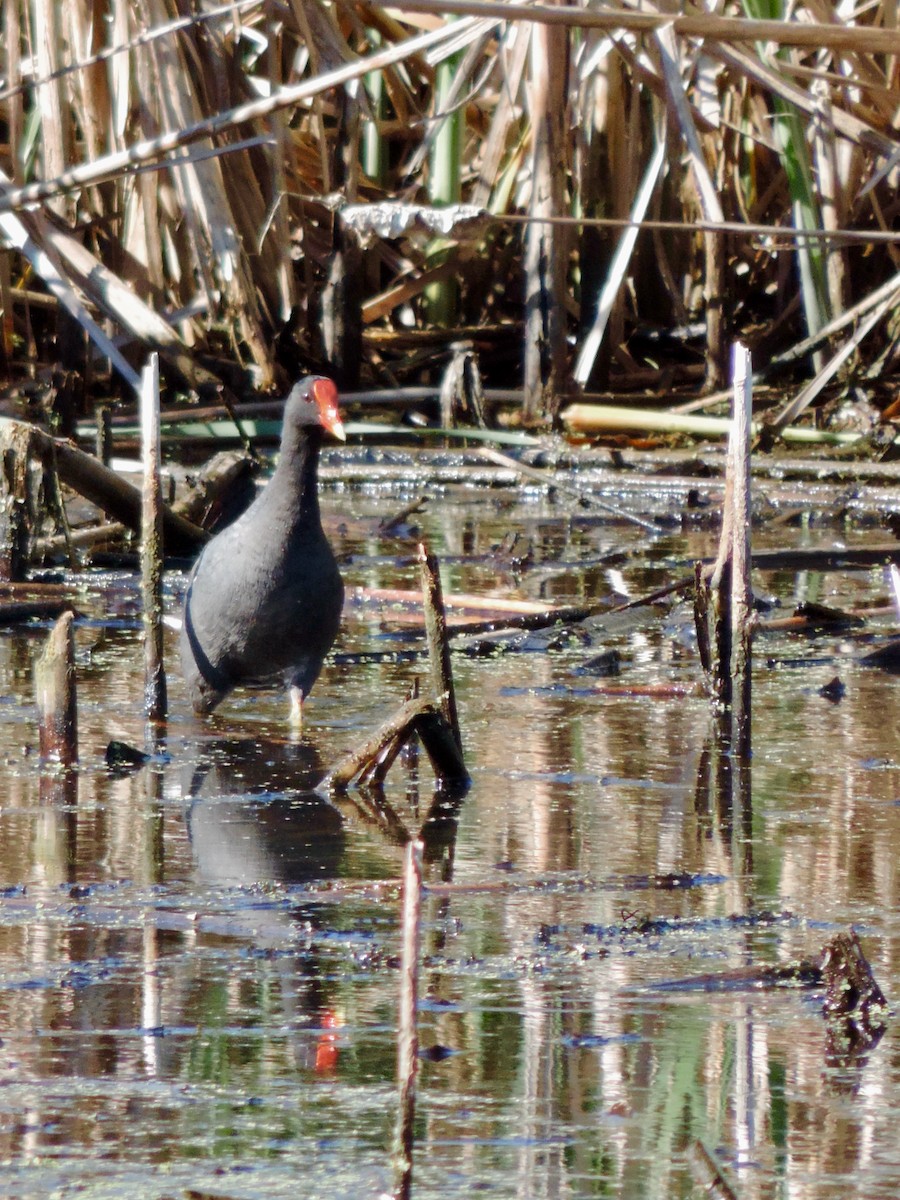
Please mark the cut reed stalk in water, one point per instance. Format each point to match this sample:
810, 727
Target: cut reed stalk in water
55, 693
438, 643
408, 1025
155, 698
741, 593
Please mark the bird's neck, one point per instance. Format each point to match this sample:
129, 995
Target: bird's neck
295, 482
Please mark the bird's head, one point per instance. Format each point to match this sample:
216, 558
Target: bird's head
314, 401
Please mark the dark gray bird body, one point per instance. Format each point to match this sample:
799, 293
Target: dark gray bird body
264, 598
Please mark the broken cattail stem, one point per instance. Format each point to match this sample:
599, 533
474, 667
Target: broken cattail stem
103, 441
741, 593
397, 725
376, 771
442, 747
408, 1028
720, 604
54, 685
155, 701
701, 618
438, 642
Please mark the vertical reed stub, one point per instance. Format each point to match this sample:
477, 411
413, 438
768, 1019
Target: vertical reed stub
741, 592
408, 1020
155, 698
55, 693
438, 643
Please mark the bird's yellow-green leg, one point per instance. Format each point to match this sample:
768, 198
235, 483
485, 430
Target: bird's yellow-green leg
296, 709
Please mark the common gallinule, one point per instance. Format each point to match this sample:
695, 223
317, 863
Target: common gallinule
264, 598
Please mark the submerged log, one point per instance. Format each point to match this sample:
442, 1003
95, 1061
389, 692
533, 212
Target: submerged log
220, 491
103, 487
13, 612
55, 692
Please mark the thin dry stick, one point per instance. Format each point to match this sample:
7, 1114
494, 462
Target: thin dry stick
845, 38
47, 264
55, 692
710, 206
618, 267
438, 642
562, 485
408, 1029
805, 397
121, 162
849, 316
155, 700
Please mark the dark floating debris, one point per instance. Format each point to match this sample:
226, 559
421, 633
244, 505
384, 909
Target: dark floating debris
122, 757
834, 690
851, 992
436, 1053
605, 664
886, 657
820, 616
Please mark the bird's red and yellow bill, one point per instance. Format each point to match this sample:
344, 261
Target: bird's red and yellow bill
325, 395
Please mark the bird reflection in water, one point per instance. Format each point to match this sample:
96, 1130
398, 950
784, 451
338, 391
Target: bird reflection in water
255, 818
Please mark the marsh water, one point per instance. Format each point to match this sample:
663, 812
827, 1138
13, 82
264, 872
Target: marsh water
199, 958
